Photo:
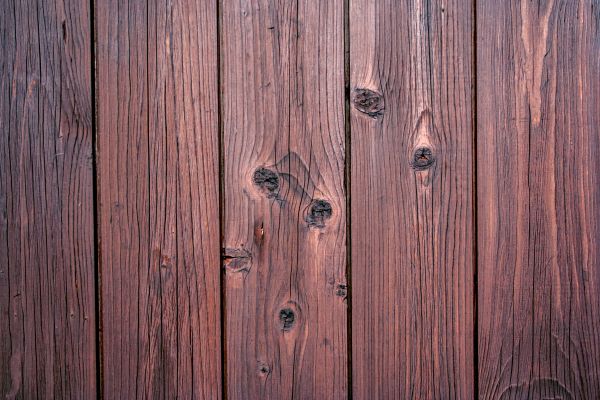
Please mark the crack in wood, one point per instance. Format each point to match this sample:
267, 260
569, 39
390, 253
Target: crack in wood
236, 260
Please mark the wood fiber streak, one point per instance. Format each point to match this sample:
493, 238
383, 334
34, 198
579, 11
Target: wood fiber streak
47, 327
539, 199
159, 199
282, 65
411, 196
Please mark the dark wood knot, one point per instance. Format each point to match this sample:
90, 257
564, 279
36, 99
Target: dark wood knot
422, 159
266, 180
368, 102
287, 318
320, 211
263, 368
341, 290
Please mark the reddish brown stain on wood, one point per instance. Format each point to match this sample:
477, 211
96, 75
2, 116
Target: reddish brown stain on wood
538, 199
47, 300
158, 159
221, 187
411, 229
282, 82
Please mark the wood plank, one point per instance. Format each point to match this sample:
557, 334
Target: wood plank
411, 213
539, 199
159, 198
47, 284
282, 66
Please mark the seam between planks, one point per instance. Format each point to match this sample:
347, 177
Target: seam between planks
347, 193
96, 205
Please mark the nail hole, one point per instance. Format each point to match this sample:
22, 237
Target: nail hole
422, 159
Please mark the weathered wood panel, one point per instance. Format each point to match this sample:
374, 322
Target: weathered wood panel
159, 198
411, 191
539, 199
47, 331
285, 220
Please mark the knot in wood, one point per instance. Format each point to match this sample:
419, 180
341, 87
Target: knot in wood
368, 102
320, 211
422, 159
263, 368
341, 290
287, 318
266, 180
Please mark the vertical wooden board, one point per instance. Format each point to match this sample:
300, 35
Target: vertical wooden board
47, 346
411, 196
282, 66
539, 199
159, 198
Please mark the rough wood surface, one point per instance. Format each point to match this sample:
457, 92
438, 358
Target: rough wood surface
411, 190
158, 198
269, 96
539, 199
47, 327
282, 66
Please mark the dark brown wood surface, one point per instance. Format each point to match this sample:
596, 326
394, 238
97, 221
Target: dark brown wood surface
158, 191
411, 188
47, 299
282, 68
538, 181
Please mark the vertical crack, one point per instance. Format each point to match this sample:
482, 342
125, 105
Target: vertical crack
347, 190
95, 205
220, 136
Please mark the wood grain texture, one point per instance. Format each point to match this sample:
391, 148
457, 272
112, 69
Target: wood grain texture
411, 199
539, 199
282, 66
47, 309
159, 198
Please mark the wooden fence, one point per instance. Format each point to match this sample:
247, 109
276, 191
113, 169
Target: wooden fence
300, 199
